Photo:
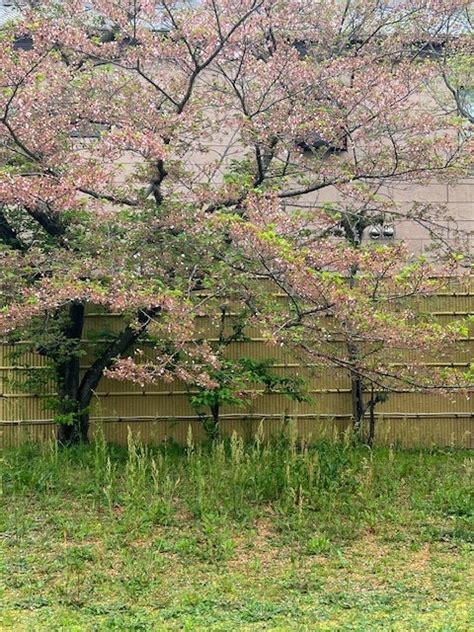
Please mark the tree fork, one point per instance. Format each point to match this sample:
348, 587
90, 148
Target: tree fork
91, 378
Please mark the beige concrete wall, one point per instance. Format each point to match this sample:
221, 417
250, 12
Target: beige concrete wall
455, 202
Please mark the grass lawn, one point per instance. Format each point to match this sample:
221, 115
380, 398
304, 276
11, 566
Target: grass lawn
235, 537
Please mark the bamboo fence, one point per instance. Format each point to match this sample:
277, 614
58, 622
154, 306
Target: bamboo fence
163, 412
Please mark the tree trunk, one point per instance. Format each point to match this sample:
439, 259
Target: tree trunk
371, 435
68, 378
75, 394
71, 406
357, 392
357, 403
375, 398
213, 427
354, 234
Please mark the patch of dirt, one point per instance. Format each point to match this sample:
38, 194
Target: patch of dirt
256, 546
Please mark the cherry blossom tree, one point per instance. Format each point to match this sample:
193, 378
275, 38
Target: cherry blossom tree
159, 158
